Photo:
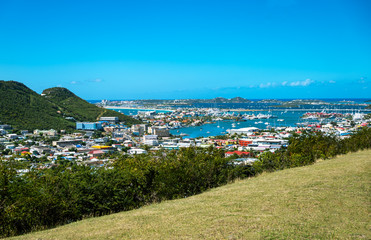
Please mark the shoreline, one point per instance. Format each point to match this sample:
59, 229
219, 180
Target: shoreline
234, 110
139, 109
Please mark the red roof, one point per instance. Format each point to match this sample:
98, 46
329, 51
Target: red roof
96, 152
239, 153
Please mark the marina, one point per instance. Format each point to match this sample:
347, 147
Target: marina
221, 120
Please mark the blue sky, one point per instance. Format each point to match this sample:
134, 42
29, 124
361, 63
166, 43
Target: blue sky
189, 49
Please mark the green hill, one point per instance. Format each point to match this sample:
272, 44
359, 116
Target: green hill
23, 108
80, 109
327, 200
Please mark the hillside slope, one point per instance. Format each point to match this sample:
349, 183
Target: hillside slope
79, 108
327, 200
25, 109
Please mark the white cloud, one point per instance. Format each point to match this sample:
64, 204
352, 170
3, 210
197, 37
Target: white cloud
78, 82
331, 81
268, 84
304, 83
265, 85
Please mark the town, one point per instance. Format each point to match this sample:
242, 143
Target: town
97, 143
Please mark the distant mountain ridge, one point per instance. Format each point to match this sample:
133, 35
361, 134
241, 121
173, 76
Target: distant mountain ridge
23, 108
190, 101
221, 100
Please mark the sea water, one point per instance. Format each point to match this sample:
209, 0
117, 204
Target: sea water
291, 116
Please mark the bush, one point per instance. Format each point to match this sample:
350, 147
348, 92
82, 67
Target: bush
69, 192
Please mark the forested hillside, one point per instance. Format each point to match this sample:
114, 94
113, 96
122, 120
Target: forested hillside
79, 108
23, 108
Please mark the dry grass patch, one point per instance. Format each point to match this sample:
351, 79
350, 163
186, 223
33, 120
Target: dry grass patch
328, 200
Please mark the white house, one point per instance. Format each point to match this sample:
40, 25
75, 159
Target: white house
247, 130
136, 151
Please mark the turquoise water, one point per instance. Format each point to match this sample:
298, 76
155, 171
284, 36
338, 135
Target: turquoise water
127, 111
290, 118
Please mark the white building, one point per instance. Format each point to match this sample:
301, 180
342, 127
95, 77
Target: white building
136, 151
138, 129
150, 140
247, 130
109, 119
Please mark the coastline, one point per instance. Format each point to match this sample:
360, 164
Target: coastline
137, 108
236, 110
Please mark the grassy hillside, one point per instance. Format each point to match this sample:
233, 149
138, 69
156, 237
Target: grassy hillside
25, 109
80, 109
328, 200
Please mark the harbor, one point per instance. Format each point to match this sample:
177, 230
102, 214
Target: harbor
208, 122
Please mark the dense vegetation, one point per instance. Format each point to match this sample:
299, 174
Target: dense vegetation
69, 192
25, 109
80, 109
327, 200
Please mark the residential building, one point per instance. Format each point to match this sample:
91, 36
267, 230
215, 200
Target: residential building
138, 129
150, 140
64, 143
137, 151
247, 130
160, 131
50, 132
88, 126
109, 119
239, 153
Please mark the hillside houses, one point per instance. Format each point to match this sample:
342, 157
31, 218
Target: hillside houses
98, 146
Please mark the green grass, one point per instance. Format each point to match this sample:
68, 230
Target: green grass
327, 200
